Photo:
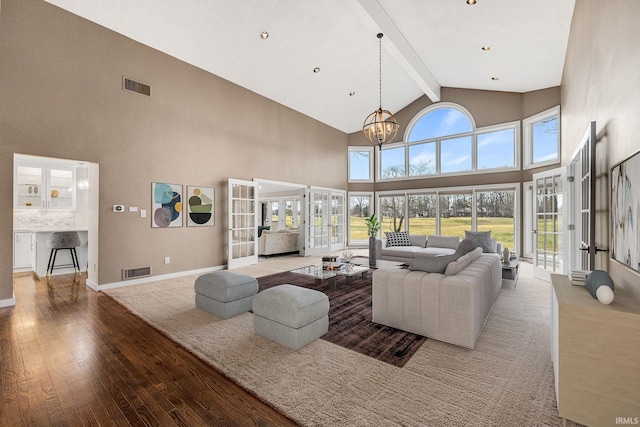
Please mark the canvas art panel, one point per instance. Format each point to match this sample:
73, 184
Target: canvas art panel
625, 212
166, 205
200, 206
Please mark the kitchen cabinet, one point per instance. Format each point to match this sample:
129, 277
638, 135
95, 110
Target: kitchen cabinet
44, 186
23, 250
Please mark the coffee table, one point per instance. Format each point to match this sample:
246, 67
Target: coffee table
346, 270
380, 263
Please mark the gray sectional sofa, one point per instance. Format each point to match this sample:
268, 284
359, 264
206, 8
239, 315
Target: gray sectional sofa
421, 246
451, 307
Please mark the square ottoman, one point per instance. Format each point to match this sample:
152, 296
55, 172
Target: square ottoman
291, 315
225, 293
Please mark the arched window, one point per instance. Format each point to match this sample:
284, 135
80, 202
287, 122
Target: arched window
443, 139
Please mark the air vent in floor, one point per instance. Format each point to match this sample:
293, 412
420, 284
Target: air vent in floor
133, 273
137, 87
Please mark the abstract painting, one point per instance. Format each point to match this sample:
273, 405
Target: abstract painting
625, 212
166, 205
200, 206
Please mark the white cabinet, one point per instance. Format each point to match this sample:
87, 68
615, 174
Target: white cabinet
23, 250
44, 187
594, 350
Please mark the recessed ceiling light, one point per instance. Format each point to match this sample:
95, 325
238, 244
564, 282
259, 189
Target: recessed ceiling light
495, 78
471, 2
486, 48
351, 93
264, 35
316, 70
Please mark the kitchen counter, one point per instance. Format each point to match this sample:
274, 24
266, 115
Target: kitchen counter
63, 258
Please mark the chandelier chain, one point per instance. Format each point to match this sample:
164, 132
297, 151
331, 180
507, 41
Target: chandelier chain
380, 66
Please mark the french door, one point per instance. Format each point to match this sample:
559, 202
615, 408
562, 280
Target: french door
242, 235
324, 221
548, 223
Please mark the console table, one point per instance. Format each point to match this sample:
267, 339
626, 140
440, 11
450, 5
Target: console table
595, 349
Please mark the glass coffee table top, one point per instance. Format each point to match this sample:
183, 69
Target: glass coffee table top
347, 270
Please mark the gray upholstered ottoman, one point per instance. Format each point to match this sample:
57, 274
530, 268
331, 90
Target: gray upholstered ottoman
291, 315
225, 293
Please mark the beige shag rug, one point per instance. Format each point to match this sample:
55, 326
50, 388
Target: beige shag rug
506, 381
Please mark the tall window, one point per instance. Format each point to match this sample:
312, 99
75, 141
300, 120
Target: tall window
495, 213
542, 138
451, 213
423, 209
455, 214
392, 213
360, 164
360, 207
442, 139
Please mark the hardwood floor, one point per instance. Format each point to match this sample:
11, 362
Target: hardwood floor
72, 356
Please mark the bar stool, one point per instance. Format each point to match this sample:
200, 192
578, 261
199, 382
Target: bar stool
63, 240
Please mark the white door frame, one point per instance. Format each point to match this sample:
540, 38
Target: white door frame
551, 214
242, 239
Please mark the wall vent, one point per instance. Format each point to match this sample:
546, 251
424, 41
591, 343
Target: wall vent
133, 273
137, 87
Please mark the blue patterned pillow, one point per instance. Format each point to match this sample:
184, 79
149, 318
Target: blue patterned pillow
397, 238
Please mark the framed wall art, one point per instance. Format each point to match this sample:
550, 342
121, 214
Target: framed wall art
166, 205
625, 212
200, 206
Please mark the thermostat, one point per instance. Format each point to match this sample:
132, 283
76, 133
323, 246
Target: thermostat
118, 208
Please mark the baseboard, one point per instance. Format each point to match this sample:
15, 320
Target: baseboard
7, 302
149, 279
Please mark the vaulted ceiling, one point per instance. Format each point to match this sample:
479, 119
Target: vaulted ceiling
427, 45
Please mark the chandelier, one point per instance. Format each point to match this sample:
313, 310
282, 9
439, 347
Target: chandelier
380, 126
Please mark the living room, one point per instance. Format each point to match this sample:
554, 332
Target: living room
63, 85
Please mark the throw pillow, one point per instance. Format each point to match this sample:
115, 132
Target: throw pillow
435, 241
465, 246
481, 238
433, 264
397, 238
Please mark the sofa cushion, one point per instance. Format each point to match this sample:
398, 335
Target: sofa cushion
483, 240
418, 240
397, 238
434, 264
414, 252
443, 241
458, 265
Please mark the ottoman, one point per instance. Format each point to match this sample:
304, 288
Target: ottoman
225, 293
291, 315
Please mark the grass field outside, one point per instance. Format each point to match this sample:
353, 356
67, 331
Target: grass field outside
501, 228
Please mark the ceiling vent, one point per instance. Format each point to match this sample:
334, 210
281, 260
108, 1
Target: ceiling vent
137, 87
134, 273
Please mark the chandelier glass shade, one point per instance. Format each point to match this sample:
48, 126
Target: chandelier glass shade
380, 126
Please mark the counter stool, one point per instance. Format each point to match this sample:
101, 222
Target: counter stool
63, 240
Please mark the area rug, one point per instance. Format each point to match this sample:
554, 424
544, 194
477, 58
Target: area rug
507, 380
350, 324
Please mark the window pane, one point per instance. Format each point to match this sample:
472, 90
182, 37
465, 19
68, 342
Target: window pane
440, 122
455, 214
496, 149
359, 210
494, 210
359, 165
422, 214
455, 154
392, 213
422, 159
392, 163
545, 140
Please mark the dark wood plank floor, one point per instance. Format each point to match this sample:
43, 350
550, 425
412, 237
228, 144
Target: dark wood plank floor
72, 356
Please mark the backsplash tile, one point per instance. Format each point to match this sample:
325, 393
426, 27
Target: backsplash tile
33, 219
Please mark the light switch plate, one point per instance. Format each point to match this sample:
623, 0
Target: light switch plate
143, 213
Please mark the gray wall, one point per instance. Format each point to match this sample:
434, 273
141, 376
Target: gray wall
61, 92
601, 82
